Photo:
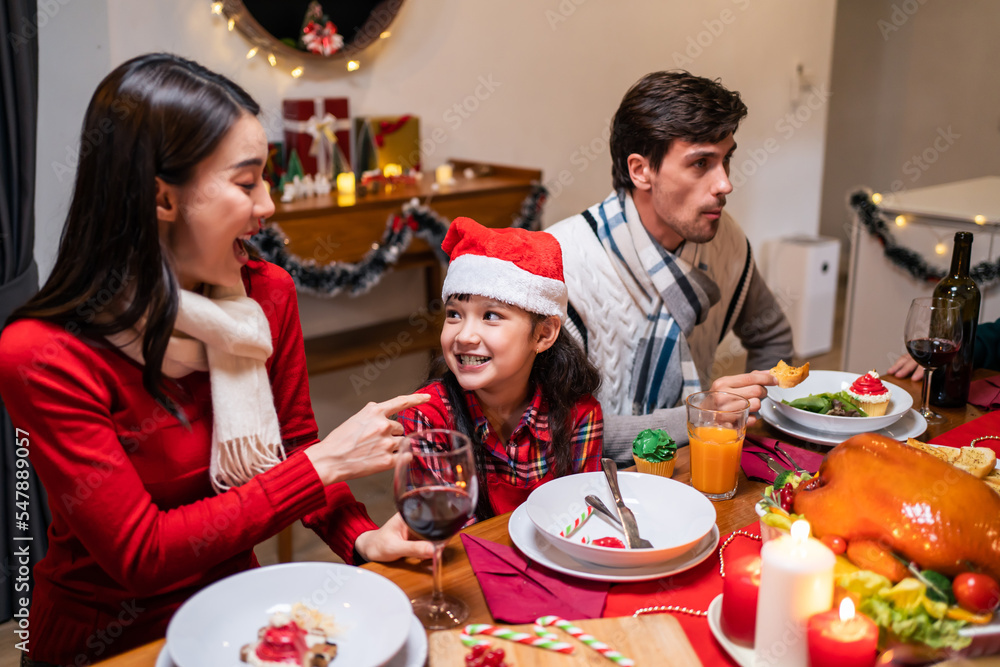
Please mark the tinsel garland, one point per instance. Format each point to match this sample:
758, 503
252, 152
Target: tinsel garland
415, 219
985, 273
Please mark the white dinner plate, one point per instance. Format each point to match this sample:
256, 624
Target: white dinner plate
822, 382
554, 505
413, 653
372, 613
741, 654
536, 546
910, 425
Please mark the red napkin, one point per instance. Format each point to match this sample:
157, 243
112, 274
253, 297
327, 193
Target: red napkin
962, 436
758, 470
694, 589
985, 393
518, 591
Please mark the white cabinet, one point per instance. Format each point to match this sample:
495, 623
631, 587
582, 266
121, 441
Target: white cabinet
879, 293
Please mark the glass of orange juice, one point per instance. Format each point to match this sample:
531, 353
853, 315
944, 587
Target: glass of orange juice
717, 424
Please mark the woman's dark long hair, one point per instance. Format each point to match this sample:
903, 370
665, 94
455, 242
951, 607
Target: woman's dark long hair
157, 115
565, 376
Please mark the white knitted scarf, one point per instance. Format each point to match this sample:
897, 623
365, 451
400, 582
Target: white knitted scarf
230, 338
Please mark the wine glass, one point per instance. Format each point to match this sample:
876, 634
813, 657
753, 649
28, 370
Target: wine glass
933, 335
436, 492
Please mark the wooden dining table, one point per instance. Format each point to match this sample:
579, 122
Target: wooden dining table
414, 577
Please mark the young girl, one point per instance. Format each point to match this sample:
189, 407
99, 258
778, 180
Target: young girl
161, 375
514, 382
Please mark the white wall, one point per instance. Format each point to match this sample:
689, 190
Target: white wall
559, 69
916, 98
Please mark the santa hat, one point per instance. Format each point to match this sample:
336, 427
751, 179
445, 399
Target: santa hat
515, 266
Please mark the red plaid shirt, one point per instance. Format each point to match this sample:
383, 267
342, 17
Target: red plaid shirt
526, 457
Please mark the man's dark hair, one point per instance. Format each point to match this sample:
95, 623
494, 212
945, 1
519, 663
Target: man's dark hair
663, 106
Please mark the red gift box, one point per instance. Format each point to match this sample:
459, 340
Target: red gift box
309, 126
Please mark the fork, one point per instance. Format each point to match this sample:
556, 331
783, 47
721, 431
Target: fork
799, 469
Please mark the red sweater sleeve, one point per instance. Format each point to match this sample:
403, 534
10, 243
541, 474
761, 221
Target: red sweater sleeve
63, 398
343, 518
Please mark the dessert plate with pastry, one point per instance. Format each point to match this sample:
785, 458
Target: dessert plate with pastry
328, 613
834, 403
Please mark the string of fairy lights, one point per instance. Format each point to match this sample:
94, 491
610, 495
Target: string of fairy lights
219, 11
941, 248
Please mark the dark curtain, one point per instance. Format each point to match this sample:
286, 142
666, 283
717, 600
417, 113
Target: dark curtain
23, 503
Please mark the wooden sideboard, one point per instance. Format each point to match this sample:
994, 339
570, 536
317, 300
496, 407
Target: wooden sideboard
321, 229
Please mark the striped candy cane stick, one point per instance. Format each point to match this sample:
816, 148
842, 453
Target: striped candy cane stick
519, 637
599, 646
545, 634
577, 522
472, 641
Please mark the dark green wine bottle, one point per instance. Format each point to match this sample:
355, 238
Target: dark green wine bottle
950, 383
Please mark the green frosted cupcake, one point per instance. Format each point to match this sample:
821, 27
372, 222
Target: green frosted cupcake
654, 452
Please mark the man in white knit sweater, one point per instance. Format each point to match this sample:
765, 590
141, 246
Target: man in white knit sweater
658, 273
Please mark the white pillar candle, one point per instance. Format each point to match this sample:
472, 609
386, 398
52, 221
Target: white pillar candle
444, 175
345, 183
796, 581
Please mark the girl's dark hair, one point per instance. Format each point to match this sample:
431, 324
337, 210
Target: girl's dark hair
157, 115
663, 106
565, 376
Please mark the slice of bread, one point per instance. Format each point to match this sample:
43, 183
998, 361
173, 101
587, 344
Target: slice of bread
980, 461
946, 454
789, 376
993, 479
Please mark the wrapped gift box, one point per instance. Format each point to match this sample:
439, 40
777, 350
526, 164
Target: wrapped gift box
319, 131
382, 140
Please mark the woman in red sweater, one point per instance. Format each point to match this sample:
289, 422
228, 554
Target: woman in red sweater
161, 378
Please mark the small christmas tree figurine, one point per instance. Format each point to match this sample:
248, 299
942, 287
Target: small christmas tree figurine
319, 34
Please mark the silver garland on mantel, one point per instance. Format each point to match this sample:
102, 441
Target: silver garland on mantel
415, 219
870, 215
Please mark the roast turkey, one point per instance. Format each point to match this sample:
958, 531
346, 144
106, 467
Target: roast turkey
873, 488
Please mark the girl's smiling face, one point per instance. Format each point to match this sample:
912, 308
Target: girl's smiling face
491, 346
205, 222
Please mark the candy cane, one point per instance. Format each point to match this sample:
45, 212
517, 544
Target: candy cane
599, 646
577, 522
472, 641
545, 634
519, 637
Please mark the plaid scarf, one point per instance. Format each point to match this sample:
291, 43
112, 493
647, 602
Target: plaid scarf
674, 295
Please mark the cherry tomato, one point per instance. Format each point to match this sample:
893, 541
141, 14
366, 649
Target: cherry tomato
978, 593
836, 543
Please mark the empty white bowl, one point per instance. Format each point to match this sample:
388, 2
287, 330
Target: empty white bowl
671, 515
830, 382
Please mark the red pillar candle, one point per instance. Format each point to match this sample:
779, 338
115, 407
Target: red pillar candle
739, 599
839, 638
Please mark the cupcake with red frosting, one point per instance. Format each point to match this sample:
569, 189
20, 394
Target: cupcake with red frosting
872, 396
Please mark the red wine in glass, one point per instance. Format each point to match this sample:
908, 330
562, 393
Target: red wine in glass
436, 512
436, 492
933, 336
931, 352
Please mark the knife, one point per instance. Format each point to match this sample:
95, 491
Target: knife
771, 463
632, 539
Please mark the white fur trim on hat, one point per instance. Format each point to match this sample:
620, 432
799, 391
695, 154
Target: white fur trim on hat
505, 281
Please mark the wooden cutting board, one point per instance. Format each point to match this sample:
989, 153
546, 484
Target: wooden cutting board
651, 641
